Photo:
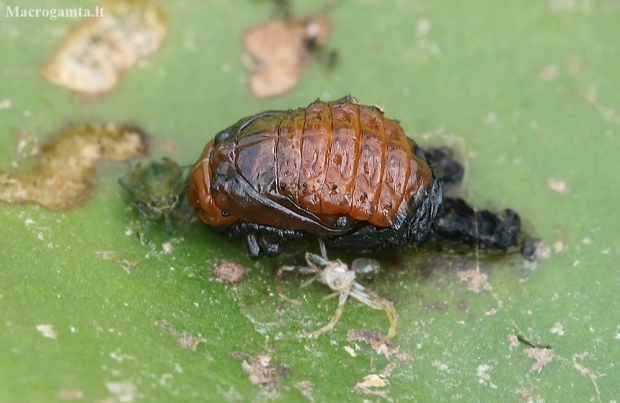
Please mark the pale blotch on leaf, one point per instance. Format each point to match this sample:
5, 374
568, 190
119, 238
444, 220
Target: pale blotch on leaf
95, 53
279, 50
229, 271
62, 174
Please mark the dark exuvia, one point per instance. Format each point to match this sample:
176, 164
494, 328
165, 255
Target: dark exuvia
460, 222
456, 220
341, 171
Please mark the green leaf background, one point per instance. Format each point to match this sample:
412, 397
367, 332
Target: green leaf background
532, 89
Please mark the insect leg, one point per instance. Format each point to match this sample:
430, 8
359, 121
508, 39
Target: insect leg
144, 215
168, 225
374, 301
254, 248
341, 301
190, 216
298, 269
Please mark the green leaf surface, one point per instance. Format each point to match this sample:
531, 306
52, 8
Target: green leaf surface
528, 93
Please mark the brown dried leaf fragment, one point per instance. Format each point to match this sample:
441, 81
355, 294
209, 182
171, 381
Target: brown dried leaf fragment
227, 270
62, 175
279, 50
376, 340
260, 371
96, 52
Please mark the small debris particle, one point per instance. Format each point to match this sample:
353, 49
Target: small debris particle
489, 119
404, 357
350, 350
5, 104
227, 270
376, 340
188, 341
575, 65
557, 329
125, 391
476, 280
27, 146
513, 340
95, 53
440, 366
549, 73
462, 305
570, 6
65, 394
371, 381
484, 378
305, 387
167, 247
541, 355
128, 265
439, 306
576, 263
490, 312
105, 254
586, 241
279, 50
185, 339
558, 246
526, 394
534, 249
47, 331
119, 356
62, 175
387, 371
543, 252
260, 371
557, 186
423, 43
165, 324
424, 26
